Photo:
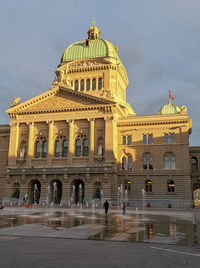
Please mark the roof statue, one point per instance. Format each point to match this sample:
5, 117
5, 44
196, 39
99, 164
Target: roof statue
15, 101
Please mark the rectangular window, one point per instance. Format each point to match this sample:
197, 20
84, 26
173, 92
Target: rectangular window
88, 84
172, 138
100, 83
144, 139
124, 140
129, 140
76, 85
82, 85
150, 139
166, 138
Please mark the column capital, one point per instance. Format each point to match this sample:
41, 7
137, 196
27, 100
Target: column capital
70, 121
50, 122
14, 124
109, 119
91, 119
30, 123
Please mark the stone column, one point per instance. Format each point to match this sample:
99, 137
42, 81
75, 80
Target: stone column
71, 141
50, 143
91, 151
13, 144
30, 153
110, 140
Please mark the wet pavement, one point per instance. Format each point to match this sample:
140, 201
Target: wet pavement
87, 224
70, 237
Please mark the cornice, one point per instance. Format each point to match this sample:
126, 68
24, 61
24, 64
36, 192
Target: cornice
145, 123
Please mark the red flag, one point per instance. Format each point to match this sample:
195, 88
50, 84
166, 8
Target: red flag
170, 95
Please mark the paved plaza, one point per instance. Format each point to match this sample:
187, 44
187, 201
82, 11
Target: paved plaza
32, 244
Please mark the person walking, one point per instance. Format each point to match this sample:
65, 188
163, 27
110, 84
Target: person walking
106, 206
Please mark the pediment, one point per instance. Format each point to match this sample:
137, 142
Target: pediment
59, 99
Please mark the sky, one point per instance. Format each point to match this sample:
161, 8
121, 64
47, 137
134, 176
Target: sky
158, 40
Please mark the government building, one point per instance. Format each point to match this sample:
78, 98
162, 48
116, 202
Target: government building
83, 134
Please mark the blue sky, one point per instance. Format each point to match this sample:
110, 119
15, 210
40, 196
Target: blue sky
158, 40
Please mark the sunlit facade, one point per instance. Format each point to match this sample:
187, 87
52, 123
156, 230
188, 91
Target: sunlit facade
83, 132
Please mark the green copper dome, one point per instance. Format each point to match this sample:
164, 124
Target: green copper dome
89, 48
169, 109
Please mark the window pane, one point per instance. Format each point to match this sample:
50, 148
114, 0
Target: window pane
44, 149
37, 149
150, 139
124, 140
144, 160
76, 85
100, 83
129, 140
85, 147
144, 139
65, 148
150, 162
88, 84
93, 83
78, 148
130, 163
166, 138
171, 138
82, 85
173, 164
166, 162
194, 164
124, 163
57, 148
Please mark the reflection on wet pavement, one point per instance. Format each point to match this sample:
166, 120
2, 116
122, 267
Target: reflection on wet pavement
132, 228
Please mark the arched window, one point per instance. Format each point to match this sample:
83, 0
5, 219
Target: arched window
171, 138
150, 162
78, 148
194, 164
76, 85
144, 161
124, 162
93, 83
82, 85
130, 163
170, 186
57, 148
44, 149
166, 162
37, 149
148, 186
170, 162
173, 163
88, 84
129, 140
64, 148
124, 140
99, 83
85, 147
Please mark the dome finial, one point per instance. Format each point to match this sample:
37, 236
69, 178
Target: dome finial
93, 32
93, 23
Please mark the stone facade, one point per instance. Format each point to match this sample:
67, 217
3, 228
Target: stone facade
83, 132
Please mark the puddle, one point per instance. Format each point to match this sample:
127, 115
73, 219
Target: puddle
152, 228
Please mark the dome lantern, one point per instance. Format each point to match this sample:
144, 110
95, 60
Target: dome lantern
94, 32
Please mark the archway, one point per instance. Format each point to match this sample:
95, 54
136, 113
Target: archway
31, 188
56, 191
78, 192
